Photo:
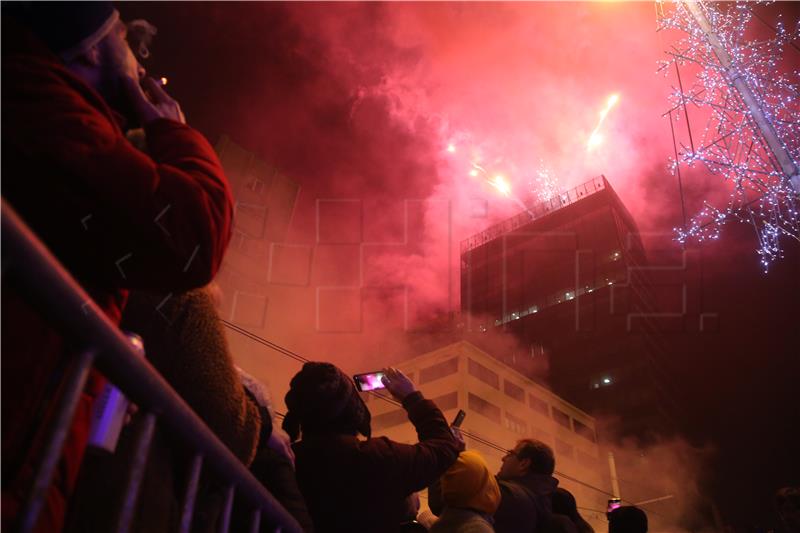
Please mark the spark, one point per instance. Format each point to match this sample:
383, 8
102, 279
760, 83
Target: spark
500, 183
595, 138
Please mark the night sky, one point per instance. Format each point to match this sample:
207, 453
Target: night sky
361, 101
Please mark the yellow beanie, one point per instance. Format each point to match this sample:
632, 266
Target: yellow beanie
468, 484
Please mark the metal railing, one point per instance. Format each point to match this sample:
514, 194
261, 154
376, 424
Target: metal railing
70, 309
536, 211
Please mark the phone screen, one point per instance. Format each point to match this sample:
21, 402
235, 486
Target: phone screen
369, 381
613, 503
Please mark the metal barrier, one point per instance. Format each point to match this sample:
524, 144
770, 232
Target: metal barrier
69, 308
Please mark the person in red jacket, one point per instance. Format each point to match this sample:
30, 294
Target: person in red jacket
116, 218
351, 484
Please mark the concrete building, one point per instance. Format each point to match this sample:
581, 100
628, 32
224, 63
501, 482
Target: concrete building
264, 203
502, 407
569, 278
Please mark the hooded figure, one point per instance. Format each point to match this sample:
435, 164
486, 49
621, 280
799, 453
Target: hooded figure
470, 494
352, 484
93, 199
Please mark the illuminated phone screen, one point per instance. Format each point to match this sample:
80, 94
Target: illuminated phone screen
614, 503
368, 382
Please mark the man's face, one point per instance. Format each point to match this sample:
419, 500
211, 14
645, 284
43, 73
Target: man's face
116, 63
116, 54
513, 466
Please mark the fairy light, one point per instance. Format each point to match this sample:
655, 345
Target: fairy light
731, 146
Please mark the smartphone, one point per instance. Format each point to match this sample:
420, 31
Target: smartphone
369, 381
613, 503
459, 418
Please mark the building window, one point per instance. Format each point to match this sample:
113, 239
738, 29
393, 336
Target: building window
537, 404
481, 406
484, 374
257, 186
390, 419
587, 460
583, 430
516, 425
514, 391
561, 417
563, 449
446, 401
251, 219
438, 370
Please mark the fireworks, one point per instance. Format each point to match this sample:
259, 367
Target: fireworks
500, 183
543, 184
752, 134
595, 139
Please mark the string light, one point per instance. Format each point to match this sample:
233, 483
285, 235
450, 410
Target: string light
760, 190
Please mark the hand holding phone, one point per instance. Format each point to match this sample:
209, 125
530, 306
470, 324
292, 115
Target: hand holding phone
459, 418
397, 383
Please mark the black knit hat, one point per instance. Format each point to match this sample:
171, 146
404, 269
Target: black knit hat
323, 399
67, 28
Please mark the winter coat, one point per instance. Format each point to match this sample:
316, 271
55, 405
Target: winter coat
276, 472
185, 341
115, 218
525, 505
455, 520
361, 485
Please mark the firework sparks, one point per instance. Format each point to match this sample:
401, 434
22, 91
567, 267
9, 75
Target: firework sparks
595, 138
500, 183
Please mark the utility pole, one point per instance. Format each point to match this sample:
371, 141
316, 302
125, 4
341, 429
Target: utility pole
775, 145
612, 468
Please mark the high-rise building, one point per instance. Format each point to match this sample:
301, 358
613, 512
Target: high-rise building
502, 407
568, 277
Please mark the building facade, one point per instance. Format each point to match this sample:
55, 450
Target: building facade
569, 279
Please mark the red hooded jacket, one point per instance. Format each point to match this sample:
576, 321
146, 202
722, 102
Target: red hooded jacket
115, 217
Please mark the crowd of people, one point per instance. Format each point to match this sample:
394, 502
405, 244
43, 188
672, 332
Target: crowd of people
143, 227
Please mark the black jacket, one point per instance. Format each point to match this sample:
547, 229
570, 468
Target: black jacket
525, 503
361, 485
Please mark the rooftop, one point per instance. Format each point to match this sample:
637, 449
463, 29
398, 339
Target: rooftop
535, 212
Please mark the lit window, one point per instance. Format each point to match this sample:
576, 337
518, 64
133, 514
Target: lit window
569, 296
533, 309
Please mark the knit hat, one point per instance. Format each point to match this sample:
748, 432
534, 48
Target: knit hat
468, 484
67, 28
323, 399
